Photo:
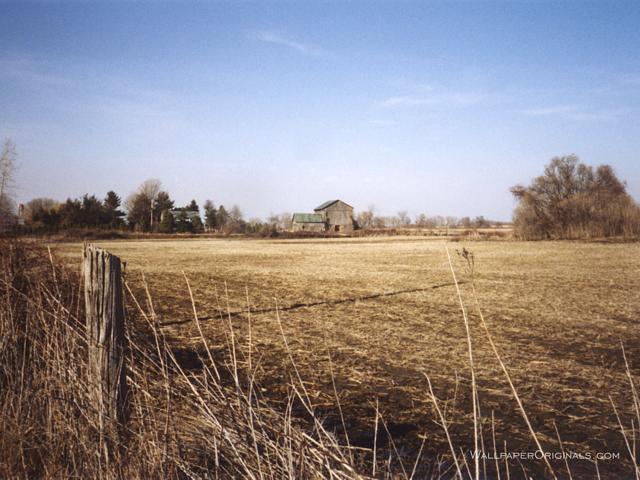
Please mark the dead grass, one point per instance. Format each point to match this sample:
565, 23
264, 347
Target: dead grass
184, 420
557, 312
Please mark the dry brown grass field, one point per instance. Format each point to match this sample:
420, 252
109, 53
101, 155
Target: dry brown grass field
378, 315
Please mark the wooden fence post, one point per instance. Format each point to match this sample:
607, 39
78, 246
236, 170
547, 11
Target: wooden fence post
105, 328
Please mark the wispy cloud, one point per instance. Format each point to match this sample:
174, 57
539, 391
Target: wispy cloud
26, 69
571, 112
593, 116
447, 99
632, 79
405, 101
89, 93
553, 110
383, 123
278, 39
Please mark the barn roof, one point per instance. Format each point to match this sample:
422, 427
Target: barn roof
190, 213
325, 205
328, 203
308, 218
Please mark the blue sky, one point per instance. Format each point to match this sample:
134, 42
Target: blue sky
433, 107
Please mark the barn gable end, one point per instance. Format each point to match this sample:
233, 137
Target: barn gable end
337, 215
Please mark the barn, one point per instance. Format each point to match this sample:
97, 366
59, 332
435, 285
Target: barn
331, 216
308, 222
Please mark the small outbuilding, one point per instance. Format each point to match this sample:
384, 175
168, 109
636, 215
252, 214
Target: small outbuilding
307, 222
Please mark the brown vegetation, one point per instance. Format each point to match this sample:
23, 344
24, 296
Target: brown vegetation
358, 323
572, 200
190, 417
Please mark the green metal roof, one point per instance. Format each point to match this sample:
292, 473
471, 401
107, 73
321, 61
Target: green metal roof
308, 218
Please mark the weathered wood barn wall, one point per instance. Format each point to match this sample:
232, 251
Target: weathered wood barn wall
338, 216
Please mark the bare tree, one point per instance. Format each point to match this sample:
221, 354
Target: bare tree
37, 207
381, 222
150, 187
280, 221
365, 218
422, 221
285, 220
571, 200
7, 170
140, 204
403, 218
235, 214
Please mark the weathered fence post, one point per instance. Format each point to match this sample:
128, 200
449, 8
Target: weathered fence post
105, 328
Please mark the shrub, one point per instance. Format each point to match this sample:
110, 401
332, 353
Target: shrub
572, 200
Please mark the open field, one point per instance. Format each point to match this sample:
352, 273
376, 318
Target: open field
386, 311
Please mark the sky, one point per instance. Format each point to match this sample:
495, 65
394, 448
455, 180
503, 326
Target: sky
434, 107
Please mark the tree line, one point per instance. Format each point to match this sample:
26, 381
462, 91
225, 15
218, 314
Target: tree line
148, 209
369, 219
569, 200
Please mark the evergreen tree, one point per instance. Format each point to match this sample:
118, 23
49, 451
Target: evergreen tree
162, 203
196, 224
210, 215
182, 222
111, 201
92, 213
167, 223
222, 218
70, 213
139, 211
113, 214
192, 207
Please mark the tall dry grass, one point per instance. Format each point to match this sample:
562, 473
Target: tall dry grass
190, 417
555, 452
199, 413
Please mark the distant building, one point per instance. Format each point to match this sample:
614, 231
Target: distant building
331, 216
189, 214
21, 214
310, 222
